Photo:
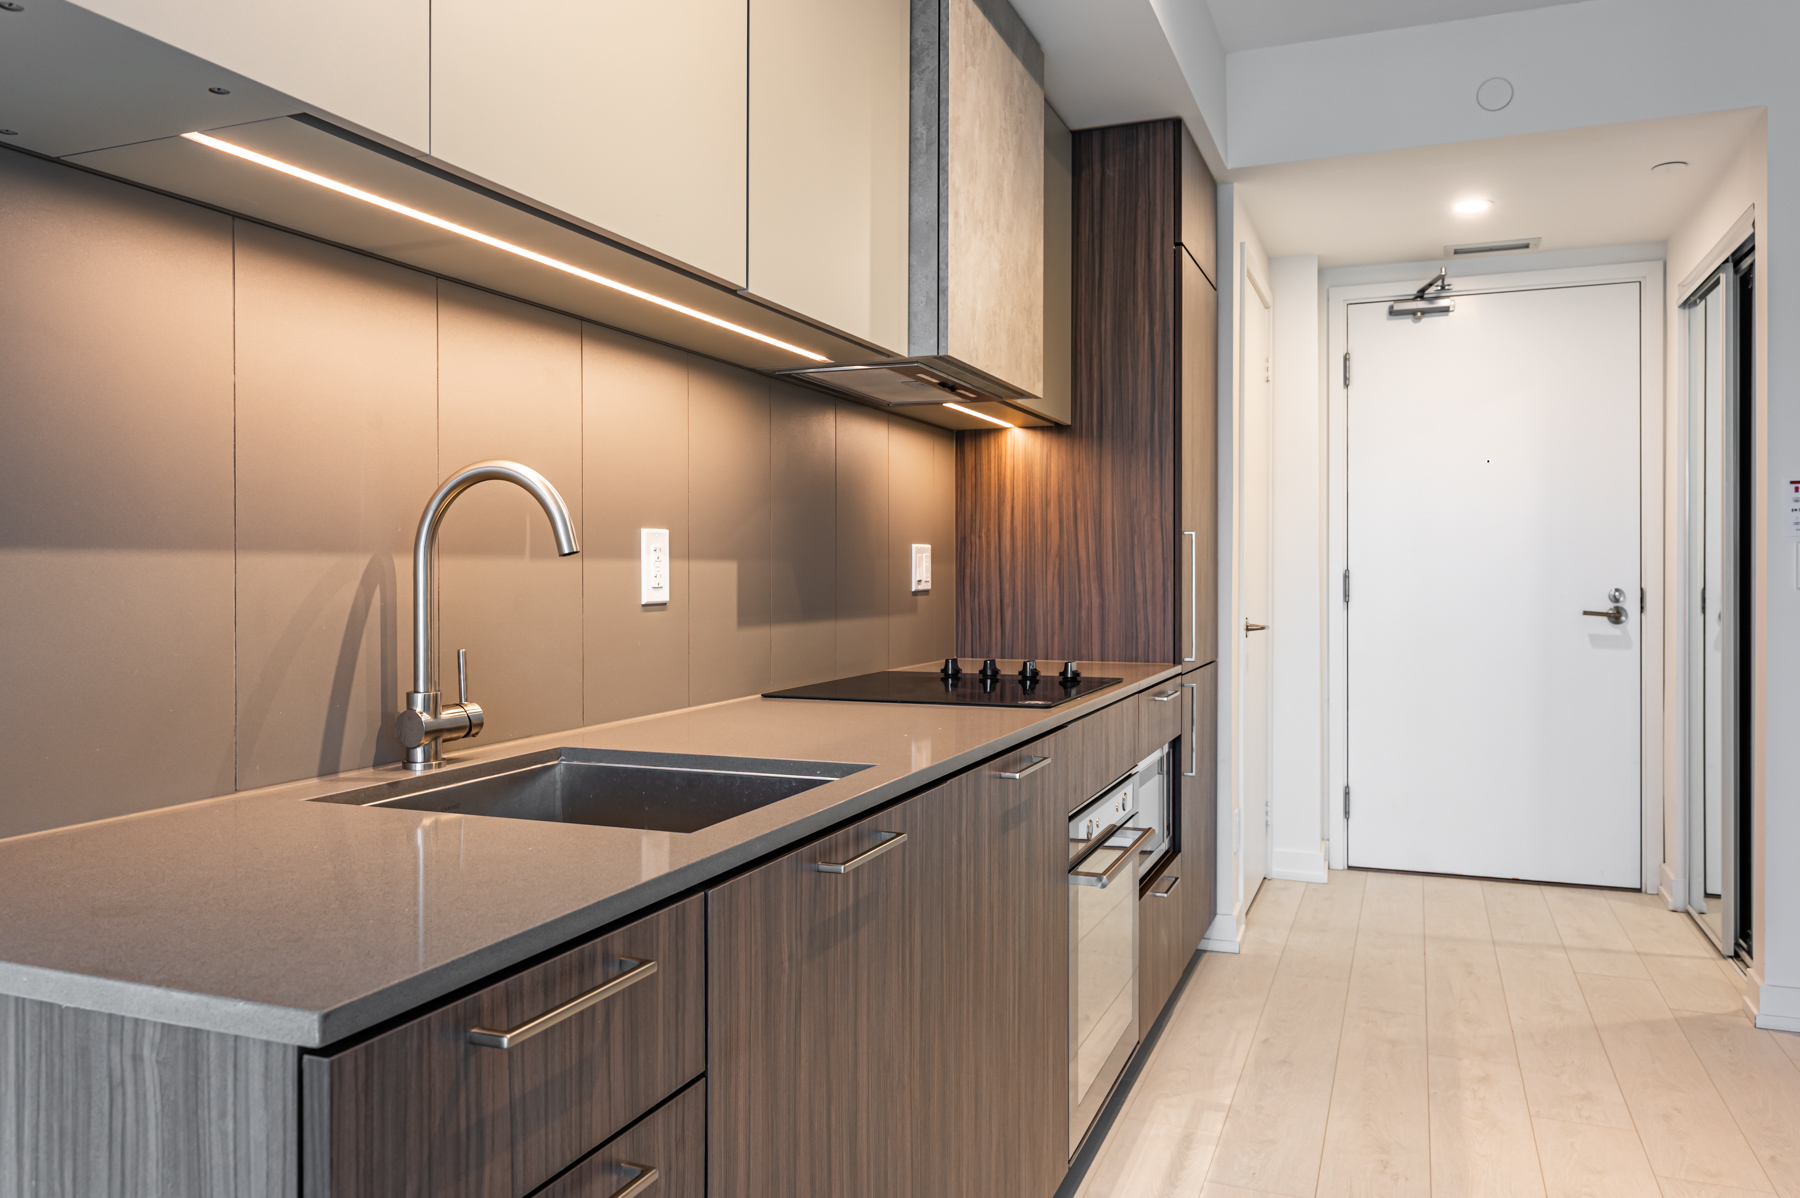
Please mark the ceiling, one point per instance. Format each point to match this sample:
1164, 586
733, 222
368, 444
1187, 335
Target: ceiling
1252, 24
1573, 188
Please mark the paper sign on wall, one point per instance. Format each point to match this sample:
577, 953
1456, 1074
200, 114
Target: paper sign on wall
1793, 508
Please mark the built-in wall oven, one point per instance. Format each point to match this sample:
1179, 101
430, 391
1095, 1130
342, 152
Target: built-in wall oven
1115, 838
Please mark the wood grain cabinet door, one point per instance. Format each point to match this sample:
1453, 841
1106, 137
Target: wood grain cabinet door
1199, 774
670, 1143
420, 1110
1158, 716
1030, 894
1160, 935
813, 1012
1197, 614
1108, 748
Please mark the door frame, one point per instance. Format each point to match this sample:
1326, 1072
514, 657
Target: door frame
1649, 277
1253, 292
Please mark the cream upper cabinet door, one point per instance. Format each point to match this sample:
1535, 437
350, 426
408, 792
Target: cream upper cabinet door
626, 115
828, 161
365, 62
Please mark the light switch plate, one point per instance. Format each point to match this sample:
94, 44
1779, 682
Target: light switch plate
654, 566
921, 569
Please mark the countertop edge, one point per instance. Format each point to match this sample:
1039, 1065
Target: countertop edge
309, 1029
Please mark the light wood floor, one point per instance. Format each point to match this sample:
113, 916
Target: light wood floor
1392, 1035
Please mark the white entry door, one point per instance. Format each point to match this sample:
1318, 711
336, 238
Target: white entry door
1254, 562
1493, 728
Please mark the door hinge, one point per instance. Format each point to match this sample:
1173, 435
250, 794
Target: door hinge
1346, 370
1346, 800
1703, 601
1643, 601
1346, 585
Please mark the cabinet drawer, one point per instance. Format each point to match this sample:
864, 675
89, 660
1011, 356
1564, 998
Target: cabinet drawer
1158, 717
1108, 745
1160, 944
420, 1110
672, 1141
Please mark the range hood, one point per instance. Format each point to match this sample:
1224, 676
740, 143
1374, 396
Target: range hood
937, 381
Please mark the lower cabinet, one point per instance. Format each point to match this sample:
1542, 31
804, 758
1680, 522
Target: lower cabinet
1163, 951
888, 1005
1199, 776
437, 1107
666, 1149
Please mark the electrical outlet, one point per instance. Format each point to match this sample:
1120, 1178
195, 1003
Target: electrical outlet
654, 566
921, 569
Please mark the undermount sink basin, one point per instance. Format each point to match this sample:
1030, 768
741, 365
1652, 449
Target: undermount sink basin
658, 792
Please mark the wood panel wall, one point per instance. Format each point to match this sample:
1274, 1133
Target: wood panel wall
1067, 538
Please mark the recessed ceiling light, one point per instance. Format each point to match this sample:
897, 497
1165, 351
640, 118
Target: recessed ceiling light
1469, 207
956, 407
1672, 167
356, 193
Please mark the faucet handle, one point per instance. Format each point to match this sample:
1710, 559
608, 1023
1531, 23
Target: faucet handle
462, 675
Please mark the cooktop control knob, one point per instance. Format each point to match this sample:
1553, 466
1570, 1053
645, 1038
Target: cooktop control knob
952, 668
1070, 672
990, 668
1028, 672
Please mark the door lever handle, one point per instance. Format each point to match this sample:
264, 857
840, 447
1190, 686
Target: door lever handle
1250, 628
1612, 615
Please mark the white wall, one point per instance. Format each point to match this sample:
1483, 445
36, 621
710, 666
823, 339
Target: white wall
1572, 66
1743, 187
1297, 623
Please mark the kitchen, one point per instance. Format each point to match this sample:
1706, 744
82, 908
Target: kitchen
733, 410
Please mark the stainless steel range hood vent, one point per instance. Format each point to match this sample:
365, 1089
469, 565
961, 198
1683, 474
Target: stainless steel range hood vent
928, 381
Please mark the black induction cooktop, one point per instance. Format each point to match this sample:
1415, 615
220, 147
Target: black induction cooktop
966, 689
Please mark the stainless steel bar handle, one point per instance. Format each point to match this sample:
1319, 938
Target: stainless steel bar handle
894, 840
1104, 878
1612, 615
645, 1177
1037, 764
641, 968
1193, 768
1166, 695
1166, 891
1193, 596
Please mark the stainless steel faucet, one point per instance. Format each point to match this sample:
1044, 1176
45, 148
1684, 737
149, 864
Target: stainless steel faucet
427, 723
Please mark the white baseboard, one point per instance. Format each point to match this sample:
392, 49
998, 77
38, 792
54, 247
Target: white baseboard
1669, 887
1298, 865
1776, 1008
1222, 936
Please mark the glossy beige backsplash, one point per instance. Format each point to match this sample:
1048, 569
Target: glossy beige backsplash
215, 440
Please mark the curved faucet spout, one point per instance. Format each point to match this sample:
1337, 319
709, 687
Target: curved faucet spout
421, 735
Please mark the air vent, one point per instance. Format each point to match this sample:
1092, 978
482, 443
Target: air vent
1516, 246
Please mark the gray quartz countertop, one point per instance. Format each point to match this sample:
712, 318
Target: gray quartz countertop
262, 914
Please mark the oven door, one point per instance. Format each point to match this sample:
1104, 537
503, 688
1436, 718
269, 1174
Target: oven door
1103, 998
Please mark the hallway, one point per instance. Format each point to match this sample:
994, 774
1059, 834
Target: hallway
1396, 1035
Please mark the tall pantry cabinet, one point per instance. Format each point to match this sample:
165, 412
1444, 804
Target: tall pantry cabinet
1099, 541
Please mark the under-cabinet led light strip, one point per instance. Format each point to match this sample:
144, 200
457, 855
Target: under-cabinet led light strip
956, 407
356, 193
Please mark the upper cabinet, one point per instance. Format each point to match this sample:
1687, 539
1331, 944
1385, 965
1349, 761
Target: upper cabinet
626, 116
828, 162
366, 64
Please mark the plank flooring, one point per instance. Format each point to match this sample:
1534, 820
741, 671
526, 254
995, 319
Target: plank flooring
1386, 1034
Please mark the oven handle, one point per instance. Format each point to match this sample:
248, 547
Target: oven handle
1105, 877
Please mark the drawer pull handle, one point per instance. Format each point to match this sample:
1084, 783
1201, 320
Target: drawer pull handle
640, 969
1166, 696
894, 840
1036, 765
1166, 891
645, 1177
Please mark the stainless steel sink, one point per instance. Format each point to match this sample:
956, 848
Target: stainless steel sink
659, 792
